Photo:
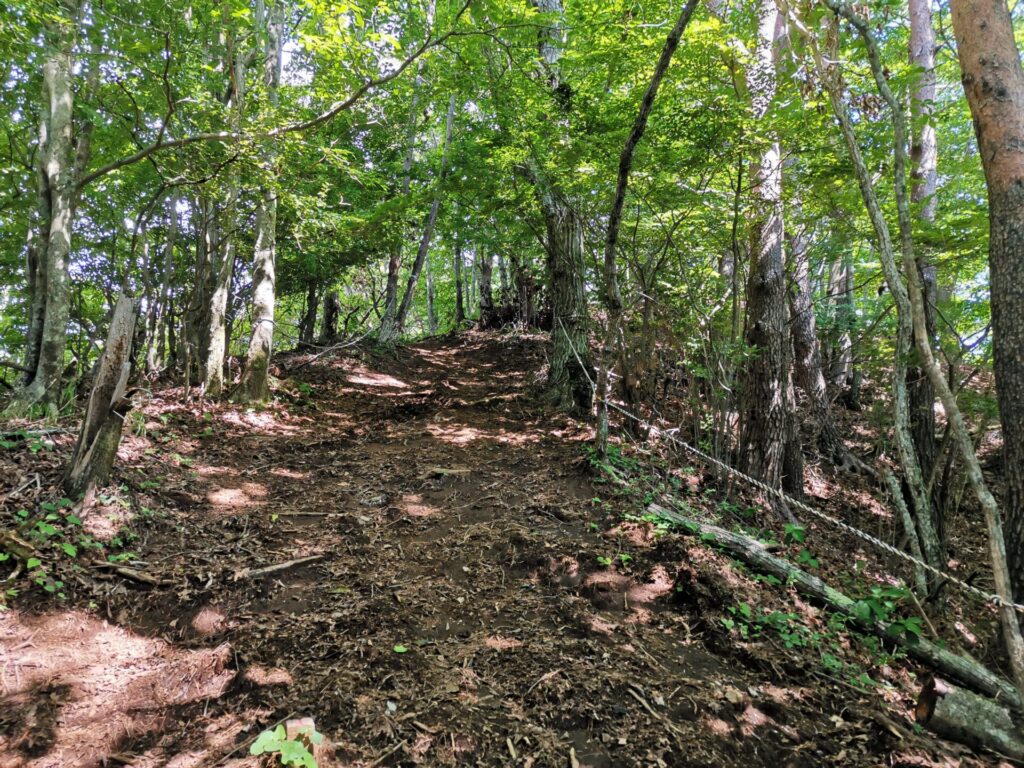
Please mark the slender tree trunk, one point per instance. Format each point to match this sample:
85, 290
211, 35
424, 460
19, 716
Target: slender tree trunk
389, 323
428, 227
156, 330
767, 415
224, 264
486, 261
431, 308
332, 308
460, 309
38, 239
254, 385
924, 157
307, 325
994, 84
503, 298
50, 280
840, 289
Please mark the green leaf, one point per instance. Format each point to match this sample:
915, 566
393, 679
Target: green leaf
268, 741
33, 562
400, 649
69, 549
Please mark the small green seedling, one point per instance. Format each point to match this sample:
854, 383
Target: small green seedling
289, 751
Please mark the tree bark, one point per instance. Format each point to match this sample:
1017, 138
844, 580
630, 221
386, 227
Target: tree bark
486, 261
807, 351
768, 421
924, 175
100, 435
460, 309
569, 378
223, 256
964, 717
50, 279
254, 384
431, 301
156, 331
994, 84
332, 308
307, 325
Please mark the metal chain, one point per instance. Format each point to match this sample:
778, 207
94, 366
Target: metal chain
787, 499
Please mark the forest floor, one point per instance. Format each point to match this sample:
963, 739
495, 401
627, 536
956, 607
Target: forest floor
472, 594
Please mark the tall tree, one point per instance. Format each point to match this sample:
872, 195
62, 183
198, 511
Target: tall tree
254, 386
50, 242
994, 83
768, 420
569, 378
924, 157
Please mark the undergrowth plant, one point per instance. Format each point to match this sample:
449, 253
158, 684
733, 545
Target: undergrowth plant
290, 752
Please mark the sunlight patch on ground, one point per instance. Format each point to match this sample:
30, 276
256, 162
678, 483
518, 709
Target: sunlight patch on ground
208, 621
76, 687
258, 421
291, 474
246, 494
463, 435
369, 379
414, 506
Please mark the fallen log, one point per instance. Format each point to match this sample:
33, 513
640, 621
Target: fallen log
967, 718
964, 670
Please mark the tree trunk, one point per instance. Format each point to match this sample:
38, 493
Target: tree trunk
964, 717
223, 256
428, 227
912, 299
332, 308
100, 435
767, 417
50, 280
994, 84
486, 261
156, 331
431, 297
460, 309
389, 323
569, 379
924, 158
307, 325
840, 289
254, 384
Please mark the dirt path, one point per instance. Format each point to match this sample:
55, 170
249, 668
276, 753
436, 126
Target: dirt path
469, 601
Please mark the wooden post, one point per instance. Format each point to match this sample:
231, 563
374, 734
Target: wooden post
108, 405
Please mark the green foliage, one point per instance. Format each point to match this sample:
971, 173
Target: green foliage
290, 752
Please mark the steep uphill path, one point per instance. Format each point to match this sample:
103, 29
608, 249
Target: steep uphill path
468, 597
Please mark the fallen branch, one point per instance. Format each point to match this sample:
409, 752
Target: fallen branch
246, 573
133, 574
964, 717
966, 671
